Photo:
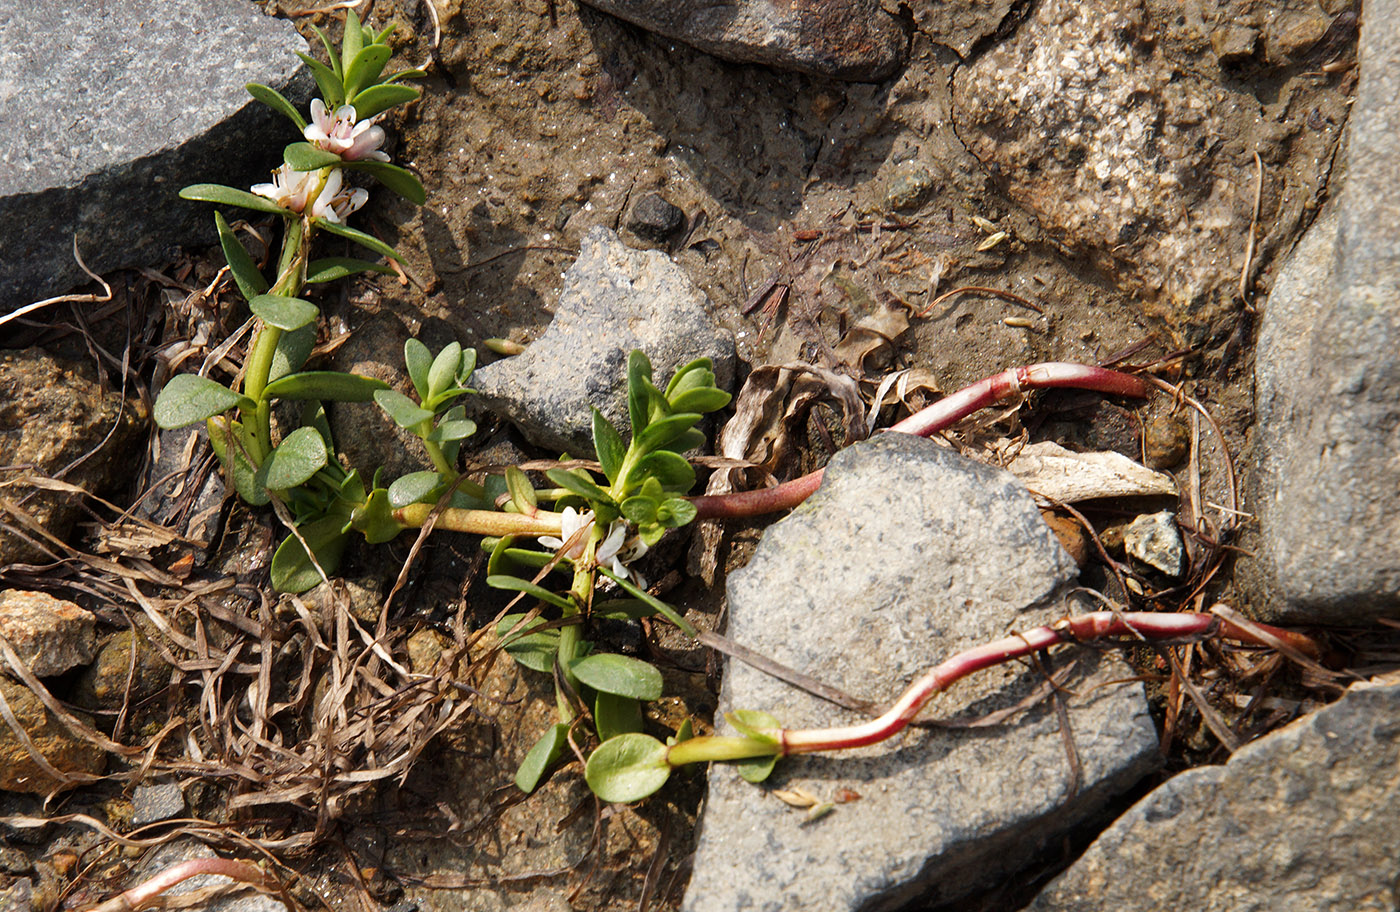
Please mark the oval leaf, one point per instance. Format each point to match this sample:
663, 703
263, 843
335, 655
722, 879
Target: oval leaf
419, 361
522, 493
328, 386
536, 650
638, 379
292, 570
627, 768
614, 715
364, 70
459, 429
757, 769
620, 675
672, 470
283, 312
292, 351
413, 488
301, 455
403, 410
608, 442
188, 398
379, 98
546, 752
400, 180
359, 237
274, 100
705, 399
663, 431
443, 373
303, 156
231, 196
230, 442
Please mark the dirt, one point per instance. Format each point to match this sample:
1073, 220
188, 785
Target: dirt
809, 206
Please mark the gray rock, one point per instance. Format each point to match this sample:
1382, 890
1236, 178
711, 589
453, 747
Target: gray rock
1328, 380
186, 484
614, 299
653, 218
56, 418
104, 118
1154, 539
161, 801
185, 848
907, 554
49, 635
1301, 819
909, 186
854, 40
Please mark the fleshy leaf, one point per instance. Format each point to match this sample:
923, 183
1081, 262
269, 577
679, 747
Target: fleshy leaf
419, 361
608, 442
292, 351
627, 768
536, 650
359, 237
522, 493
640, 510
352, 40
400, 180
638, 379
757, 769
443, 373
672, 470
375, 518
329, 269
620, 675
516, 584
230, 442
379, 98
754, 723
663, 431
232, 196
546, 752
577, 484
706, 399
366, 67
453, 430
327, 80
245, 272
189, 398
675, 512
284, 312
301, 455
303, 156
614, 715
622, 609
412, 488
292, 570
328, 386
274, 100
403, 410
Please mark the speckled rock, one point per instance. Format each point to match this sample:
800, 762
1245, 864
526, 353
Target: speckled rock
53, 413
64, 751
103, 118
116, 676
907, 554
48, 634
848, 39
156, 801
1328, 381
1133, 159
614, 299
1302, 819
1154, 539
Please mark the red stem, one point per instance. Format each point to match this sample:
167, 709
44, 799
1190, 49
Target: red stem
1092, 626
143, 893
942, 414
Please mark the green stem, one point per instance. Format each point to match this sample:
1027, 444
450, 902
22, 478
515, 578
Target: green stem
569, 635
291, 270
709, 748
481, 522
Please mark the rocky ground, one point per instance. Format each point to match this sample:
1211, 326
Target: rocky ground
943, 191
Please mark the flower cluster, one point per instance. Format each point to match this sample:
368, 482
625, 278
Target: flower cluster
325, 190
617, 549
339, 133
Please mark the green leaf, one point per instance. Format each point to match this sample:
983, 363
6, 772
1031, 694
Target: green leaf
327, 80
619, 674
522, 493
675, 512
692, 375
622, 609
331, 55
586, 488
313, 415
292, 570
638, 381
329, 269
452, 430
413, 488
614, 715
364, 70
232, 196
659, 433
686, 442
443, 373
672, 470
352, 40
640, 510
283, 312
535, 649
329, 386
411, 73
274, 100
299, 456
627, 768
231, 444
375, 518
705, 399
403, 410
245, 272
379, 98
303, 156
657, 605
608, 442
419, 361
292, 351
359, 237
754, 723
400, 180
188, 398
684, 733
546, 752
757, 769
516, 584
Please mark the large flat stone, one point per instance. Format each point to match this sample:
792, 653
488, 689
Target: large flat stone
907, 554
1328, 379
1301, 819
106, 112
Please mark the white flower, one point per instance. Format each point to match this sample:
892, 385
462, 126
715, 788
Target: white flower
336, 201
339, 133
572, 521
289, 189
618, 550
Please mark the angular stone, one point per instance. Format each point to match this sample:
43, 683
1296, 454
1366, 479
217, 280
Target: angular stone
854, 40
55, 416
49, 635
104, 117
1303, 818
1328, 380
160, 801
907, 554
614, 299
64, 751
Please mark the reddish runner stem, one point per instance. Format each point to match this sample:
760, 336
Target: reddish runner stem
942, 414
144, 893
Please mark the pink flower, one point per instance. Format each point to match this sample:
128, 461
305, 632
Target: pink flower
339, 133
336, 200
289, 189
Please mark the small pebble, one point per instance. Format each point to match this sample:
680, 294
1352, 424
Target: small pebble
1155, 540
909, 186
653, 218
